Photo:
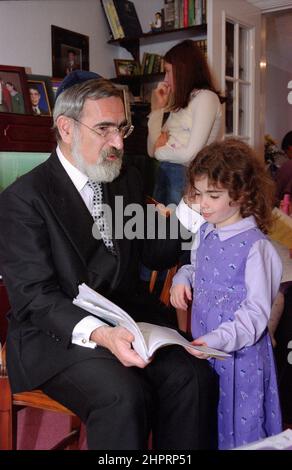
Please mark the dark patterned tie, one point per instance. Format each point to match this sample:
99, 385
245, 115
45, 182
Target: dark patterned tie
99, 217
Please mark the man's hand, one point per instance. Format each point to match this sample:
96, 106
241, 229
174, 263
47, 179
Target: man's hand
160, 96
119, 341
180, 295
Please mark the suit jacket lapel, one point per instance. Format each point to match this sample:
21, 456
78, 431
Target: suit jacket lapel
66, 203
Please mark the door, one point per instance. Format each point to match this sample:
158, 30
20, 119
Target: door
234, 51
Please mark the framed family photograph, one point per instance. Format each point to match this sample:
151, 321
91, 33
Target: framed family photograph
14, 97
70, 51
41, 94
126, 67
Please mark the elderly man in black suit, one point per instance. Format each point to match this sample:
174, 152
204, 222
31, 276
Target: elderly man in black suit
47, 249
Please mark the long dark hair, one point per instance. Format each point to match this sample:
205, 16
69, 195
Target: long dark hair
190, 72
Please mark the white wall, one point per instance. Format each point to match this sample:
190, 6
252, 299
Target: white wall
278, 73
25, 32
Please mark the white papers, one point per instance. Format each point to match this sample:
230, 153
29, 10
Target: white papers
282, 441
148, 337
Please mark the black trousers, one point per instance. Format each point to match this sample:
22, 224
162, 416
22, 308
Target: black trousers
175, 396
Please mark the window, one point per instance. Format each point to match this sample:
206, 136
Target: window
237, 80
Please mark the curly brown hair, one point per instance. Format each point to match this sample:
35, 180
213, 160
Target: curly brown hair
233, 165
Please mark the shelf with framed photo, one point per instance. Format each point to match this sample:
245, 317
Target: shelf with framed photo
20, 130
149, 73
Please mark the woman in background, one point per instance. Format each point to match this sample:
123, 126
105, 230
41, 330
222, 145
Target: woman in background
195, 118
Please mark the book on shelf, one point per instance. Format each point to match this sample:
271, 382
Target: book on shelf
169, 14
114, 24
184, 13
128, 18
147, 336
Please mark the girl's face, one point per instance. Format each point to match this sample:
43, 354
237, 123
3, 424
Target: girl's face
169, 75
215, 204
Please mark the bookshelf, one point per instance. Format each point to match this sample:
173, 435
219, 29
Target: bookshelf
132, 44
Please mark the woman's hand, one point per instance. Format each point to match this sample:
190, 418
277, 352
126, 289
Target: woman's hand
161, 141
180, 296
160, 96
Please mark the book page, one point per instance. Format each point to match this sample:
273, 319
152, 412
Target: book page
148, 337
156, 336
103, 308
281, 441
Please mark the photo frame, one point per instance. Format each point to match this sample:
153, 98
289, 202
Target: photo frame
126, 99
41, 94
14, 97
70, 51
56, 82
126, 67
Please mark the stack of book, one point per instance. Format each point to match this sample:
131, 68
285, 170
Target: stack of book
202, 44
151, 64
122, 18
184, 13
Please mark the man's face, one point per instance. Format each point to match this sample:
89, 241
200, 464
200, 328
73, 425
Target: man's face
71, 56
34, 96
100, 158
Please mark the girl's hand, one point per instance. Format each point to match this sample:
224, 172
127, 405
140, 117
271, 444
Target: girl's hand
163, 210
161, 141
160, 96
194, 352
180, 296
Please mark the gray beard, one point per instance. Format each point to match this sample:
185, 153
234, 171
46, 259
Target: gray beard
103, 171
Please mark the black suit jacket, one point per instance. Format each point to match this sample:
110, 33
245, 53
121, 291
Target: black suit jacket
47, 250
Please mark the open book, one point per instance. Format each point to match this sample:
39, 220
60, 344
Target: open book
282, 441
148, 337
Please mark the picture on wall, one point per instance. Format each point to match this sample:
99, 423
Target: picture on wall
70, 51
13, 90
41, 95
126, 67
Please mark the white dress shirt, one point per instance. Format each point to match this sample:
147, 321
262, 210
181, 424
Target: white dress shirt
83, 329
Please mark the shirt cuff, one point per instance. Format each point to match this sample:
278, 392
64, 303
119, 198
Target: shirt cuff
181, 278
83, 330
189, 217
215, 340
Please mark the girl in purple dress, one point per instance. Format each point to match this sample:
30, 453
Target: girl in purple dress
233, 278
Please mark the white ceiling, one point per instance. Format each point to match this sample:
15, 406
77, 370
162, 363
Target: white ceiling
271, 5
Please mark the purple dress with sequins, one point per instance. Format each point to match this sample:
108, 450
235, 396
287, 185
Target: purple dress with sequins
248, 407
